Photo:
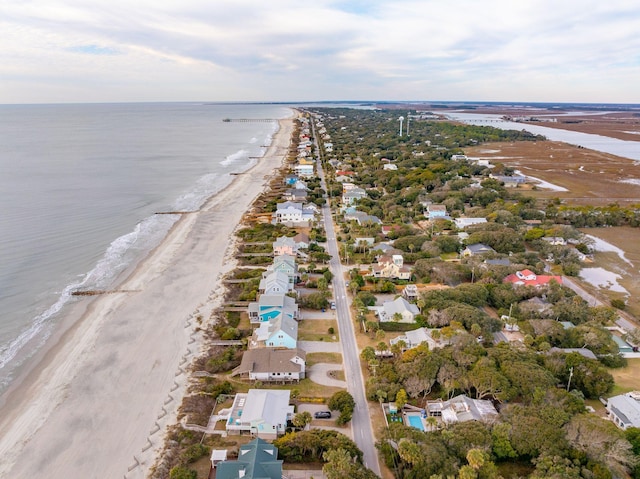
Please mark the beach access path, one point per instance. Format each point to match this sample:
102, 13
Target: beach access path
97, 403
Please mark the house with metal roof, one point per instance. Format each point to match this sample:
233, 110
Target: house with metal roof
261, 412
256, 460
462, 408
274, 282
624, 410
271, 306
399, 309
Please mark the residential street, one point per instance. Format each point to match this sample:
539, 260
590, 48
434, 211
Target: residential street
361, 422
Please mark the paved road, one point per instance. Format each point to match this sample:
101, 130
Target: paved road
624, 321
361, 421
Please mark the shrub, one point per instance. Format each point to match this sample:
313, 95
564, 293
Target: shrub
181, 472
195, 452
618, 304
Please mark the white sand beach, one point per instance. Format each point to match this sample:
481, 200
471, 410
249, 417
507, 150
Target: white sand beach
112, 382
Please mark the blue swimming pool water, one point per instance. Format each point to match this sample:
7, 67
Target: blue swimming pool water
416, 421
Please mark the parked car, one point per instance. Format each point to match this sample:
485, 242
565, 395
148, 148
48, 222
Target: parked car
322, 414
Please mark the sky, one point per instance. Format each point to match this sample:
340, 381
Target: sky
56, 51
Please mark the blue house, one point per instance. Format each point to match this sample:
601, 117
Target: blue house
280, 332
271, 306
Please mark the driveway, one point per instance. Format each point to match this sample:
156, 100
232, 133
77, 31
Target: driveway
320, 346
319, 374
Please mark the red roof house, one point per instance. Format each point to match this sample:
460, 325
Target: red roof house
526, 277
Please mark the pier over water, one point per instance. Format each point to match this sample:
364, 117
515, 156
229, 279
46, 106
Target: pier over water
247, 120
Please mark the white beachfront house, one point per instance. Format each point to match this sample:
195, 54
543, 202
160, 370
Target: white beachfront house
272, 365
260, 412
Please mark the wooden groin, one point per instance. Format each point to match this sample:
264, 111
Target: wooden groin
174, 212
97, 292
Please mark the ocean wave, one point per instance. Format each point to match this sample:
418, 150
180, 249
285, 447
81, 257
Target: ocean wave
205, 187
234, 157
121, 253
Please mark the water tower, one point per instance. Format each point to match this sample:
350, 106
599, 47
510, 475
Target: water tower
401, 119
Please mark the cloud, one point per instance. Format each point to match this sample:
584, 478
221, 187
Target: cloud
93, 50
328, 49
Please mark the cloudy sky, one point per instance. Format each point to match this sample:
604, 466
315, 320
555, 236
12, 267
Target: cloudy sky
292, 50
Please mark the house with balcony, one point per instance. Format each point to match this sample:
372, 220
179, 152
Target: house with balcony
270, 306
416, 337
284, 245
272, 365
285, 264
279, 332
260, 412
391, 267
274, 283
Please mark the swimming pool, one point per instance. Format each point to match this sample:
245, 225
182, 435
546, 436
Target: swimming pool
416, 421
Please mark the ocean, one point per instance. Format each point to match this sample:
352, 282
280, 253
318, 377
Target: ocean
79, 189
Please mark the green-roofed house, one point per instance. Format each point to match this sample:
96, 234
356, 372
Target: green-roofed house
256, 460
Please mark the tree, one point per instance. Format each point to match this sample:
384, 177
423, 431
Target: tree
601, 441
409, 451
342, 401
401, 398
301, 419
339, 464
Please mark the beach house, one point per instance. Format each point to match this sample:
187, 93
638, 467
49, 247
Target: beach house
274, 282
272, 365
256, 460
285, 264
284, 245
271, 306
260, 412
279, 332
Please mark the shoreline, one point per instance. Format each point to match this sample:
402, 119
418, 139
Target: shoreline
91, 401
